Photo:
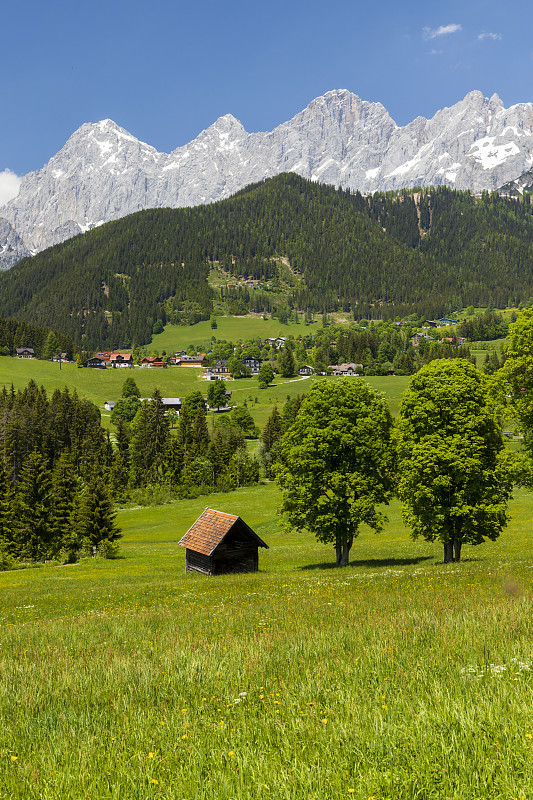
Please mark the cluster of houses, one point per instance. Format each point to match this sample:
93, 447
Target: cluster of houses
418, 337
114, 359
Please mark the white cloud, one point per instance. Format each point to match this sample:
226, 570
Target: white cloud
487, 35
9, 186
443, 30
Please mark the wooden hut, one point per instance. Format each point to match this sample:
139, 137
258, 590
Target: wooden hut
219, 543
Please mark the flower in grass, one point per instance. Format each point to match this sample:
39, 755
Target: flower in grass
156, 783
325, 721
231, 753
150, 755
14, 758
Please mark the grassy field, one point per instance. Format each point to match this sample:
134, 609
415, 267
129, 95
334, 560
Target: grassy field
101, 385
398, 677
231, 329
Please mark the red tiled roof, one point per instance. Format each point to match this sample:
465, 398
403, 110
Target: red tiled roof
210, 529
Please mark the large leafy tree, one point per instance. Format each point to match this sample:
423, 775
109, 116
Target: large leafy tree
216, 394
335, 463
515, 379
265, 374
454, 480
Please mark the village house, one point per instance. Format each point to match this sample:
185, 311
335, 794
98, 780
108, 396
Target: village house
445, 321
25, 352
121, 360
417, 338
96, 363
153, 362
219, 543
219, 370
62, 357
306, 370
253, 364
191, 361
347, 370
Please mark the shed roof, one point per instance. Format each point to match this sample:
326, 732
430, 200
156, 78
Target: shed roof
211, 528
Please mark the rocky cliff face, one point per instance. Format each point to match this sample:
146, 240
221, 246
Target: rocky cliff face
103, 172
522, 184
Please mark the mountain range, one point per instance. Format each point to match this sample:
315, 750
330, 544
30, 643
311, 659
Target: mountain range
103, 172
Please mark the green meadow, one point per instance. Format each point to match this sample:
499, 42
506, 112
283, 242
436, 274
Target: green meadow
231, 329
99, 385
397, 677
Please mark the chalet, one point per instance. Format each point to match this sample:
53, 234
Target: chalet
220, 367
109, 405
191, 361
96, 363
25, 352
153, 362
253, 364
219, 543
431, 323
121, 360
347, 370
306, 370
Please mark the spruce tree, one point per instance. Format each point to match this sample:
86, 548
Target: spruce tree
7, 545
97, 519
34, 529
65, 487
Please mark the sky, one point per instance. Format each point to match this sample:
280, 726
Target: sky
167, 69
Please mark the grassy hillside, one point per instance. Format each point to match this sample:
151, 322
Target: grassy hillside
101, 385
395, 678
179, 337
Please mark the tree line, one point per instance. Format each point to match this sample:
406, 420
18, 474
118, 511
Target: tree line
55, 501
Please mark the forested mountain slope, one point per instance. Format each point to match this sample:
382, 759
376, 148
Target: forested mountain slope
423, 251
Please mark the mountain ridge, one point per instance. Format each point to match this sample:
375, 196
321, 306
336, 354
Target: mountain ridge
103, 172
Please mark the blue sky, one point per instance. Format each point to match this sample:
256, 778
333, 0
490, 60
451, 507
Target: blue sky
166, 69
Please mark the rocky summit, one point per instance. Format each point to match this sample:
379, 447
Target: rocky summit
103, 172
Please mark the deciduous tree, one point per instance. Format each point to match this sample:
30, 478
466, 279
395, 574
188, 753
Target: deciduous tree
454, 481
334, 467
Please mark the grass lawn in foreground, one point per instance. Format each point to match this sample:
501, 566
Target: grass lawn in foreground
397, 677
